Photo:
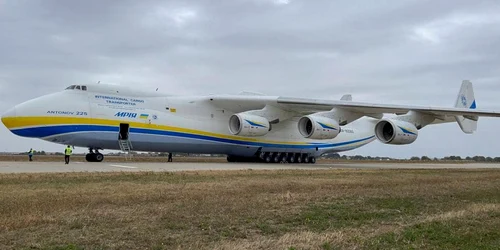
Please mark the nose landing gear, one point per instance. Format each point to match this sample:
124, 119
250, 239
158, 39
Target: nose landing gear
94, 156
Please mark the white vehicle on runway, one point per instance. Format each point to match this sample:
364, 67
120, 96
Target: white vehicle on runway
246, 127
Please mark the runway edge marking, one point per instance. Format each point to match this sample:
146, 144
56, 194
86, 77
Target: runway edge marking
122, 166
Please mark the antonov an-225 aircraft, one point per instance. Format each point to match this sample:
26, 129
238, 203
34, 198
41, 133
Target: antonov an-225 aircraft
246, 127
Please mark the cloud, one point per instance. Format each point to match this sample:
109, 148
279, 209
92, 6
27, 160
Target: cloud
411, 52
168, 16
437, 30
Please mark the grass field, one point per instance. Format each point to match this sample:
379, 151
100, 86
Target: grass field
293, 209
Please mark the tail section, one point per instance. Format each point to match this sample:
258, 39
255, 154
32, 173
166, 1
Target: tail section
465, 97
466, 100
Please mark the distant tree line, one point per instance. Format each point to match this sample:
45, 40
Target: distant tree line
326, 156
414, 158
355, 157
34, 153
458, 158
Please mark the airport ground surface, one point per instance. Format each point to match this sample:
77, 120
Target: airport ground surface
19, 164
147, 203
82, 166
338, 208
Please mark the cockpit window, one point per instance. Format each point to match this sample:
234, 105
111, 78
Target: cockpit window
79, 87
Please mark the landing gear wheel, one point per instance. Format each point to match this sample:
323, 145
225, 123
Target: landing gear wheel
94, 157
312, 160
306, 159
268, 159
90, 157
299, 158
99, 157
276, 158
284, 159
262, 155
291, 158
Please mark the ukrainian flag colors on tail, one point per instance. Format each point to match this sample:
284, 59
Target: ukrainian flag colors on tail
466, 100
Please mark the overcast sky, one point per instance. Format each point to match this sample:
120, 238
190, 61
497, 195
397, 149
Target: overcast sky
398, 52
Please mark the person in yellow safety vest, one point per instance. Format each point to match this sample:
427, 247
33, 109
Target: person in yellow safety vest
67, 154
30, 154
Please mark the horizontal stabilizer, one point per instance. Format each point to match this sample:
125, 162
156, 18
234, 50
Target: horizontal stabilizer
250, 93
346, 98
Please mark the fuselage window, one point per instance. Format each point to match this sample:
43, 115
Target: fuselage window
77, 87
84, 88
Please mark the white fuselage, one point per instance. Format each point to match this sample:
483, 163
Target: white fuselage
159, 123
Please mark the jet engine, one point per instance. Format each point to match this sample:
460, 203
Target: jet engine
248, 125
318, 127
391, 131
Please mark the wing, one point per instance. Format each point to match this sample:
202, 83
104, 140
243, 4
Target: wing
308, 106
372, 108
345, 111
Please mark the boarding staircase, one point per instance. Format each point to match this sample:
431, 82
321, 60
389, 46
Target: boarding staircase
126, 147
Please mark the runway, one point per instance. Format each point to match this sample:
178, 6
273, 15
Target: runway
48, 167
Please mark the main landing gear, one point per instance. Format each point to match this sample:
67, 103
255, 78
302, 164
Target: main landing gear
94, 156
270, 157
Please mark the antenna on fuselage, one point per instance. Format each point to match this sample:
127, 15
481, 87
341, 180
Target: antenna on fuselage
156, 89
98, 82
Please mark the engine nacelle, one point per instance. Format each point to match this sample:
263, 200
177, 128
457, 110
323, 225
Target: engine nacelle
318, 127
248, 125
391, 131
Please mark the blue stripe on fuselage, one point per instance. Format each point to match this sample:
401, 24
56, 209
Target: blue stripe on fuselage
41, 132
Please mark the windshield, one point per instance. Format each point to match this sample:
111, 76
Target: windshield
79, 87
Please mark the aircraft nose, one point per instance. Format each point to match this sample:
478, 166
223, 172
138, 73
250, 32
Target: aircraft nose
11, 113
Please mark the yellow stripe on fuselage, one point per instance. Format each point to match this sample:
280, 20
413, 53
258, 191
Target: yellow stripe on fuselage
43, 121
